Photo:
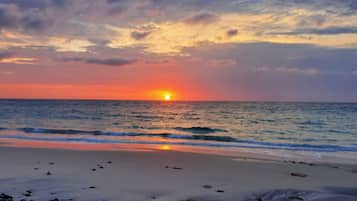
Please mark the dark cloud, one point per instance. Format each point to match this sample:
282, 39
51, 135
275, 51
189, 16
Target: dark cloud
315, 20
139, 35
116, 1
27, 4
341, 7
117, 7
273, 55
324, 31
4, 55
116, 10
30, 21
232, 32
35, 23
203, 18
37, 4
60, 3
108, 62
7, 20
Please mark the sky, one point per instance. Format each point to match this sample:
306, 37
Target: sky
245, 50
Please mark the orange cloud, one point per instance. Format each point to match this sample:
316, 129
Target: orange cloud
18, 60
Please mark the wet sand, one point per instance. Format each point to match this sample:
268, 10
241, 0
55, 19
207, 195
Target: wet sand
166, 175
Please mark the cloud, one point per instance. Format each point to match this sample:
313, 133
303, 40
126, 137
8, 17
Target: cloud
117, 7
8, 57
108, 62
203, 18
60, 3
324, 31
232, 32
13, 39
305, 71
139, 35
7, 20
34, 23
115, 1
6, 73
68, 45
10, 18
4, 55
36, 4
268, 27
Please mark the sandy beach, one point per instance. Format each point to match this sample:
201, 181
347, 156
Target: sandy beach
166, 175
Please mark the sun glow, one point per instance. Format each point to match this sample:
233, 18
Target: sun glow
165, 147
167, 96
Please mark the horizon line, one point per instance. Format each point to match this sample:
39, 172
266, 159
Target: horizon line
172, 101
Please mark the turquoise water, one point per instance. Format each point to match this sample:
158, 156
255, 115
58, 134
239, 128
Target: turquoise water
323, 127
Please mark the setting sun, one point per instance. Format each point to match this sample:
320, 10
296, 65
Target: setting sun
167, 97
165, 147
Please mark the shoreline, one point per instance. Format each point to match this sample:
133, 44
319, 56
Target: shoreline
346, 158
162, 175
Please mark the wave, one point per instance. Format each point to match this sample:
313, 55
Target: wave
238, 144
58, 131
200, 130
312, 123
128, 134
204, 140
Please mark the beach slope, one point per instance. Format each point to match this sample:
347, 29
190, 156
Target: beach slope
54, 174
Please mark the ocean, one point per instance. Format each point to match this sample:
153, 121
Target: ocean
316, 127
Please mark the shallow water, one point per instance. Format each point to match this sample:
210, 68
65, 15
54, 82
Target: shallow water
319, 127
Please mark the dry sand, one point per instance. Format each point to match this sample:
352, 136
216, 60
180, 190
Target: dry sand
166, 176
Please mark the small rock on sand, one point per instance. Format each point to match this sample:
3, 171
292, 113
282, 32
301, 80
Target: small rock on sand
220, 191
177, 168
295, 198
297, 174
48, 173
27, 194
207, 186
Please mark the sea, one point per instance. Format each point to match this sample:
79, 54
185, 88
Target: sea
290, 126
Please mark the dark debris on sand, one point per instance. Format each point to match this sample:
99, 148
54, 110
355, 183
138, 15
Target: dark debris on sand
279, 195
28, 193
173, 167
207, 186
5, 197
297, 174
330, 194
